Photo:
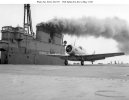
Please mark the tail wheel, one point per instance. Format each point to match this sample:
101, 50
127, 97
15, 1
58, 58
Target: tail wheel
66, 62
82, 63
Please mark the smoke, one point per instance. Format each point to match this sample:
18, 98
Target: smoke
113, 28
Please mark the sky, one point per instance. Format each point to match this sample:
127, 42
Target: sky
12, 15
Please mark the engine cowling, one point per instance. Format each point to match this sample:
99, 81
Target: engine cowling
69, 49
72, 50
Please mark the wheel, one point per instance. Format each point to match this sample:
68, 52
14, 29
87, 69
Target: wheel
66, 62
92, 62
82, 63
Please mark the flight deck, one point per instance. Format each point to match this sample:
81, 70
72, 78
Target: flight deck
47, 82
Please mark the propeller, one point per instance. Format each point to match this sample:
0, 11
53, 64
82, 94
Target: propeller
69, 48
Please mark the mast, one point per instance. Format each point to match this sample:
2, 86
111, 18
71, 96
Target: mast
27, 19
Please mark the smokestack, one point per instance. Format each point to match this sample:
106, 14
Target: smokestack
113, 28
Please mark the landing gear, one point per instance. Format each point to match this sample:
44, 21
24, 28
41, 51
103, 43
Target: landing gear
82, 63
92, 62
66, 62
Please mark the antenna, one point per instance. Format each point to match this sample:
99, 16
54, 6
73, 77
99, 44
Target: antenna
94, 52
75, 40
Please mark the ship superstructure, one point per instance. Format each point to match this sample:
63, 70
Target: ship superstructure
20, 45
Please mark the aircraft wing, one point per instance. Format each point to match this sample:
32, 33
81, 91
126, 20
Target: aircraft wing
92, 57
100, 56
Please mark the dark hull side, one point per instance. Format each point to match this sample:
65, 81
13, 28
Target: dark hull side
35, 59
31, 59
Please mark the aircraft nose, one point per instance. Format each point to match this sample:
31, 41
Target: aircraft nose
69, 48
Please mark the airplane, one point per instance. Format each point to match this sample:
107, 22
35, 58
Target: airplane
79, 54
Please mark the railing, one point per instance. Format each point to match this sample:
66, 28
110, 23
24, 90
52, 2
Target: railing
13, 29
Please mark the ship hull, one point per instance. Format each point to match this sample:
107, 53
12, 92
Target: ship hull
33, 59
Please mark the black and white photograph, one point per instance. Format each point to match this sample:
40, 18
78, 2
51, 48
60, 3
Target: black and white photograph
64, 50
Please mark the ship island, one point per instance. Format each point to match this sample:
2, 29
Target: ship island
20, 45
